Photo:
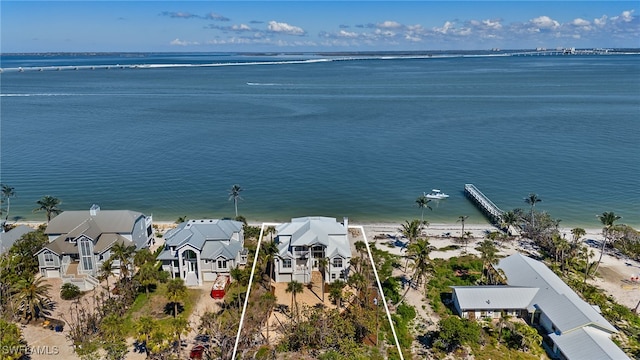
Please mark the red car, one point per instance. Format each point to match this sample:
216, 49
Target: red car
196, 352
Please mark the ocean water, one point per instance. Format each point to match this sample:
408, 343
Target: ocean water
354, 137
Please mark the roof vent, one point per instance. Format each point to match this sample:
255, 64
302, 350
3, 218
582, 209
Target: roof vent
93, 211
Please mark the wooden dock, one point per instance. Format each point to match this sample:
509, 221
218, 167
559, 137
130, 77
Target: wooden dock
491, 210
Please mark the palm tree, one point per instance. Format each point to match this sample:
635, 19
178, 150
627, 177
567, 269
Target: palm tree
7, 193
588, 254
147, 275
361, 248
145, 326
578, 233
176, 292
270, 230
234, 194
562, 246
123, 254
465, 238
411, 230
418, 251
488, 254
532, 199
294, 288
323, 263
270, 251
509, 219
423, 202
178, 327
607, 219
32, 297
461, 219
335, 292
48, 204
106, 270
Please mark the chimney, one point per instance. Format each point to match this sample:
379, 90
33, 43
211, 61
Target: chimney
93, 211
345, 222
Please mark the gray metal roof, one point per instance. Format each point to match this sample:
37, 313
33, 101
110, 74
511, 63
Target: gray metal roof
560, 303
315, 230
112, 221
7, 239
104, 242
166, 254
211, 237
494, 297
588, 344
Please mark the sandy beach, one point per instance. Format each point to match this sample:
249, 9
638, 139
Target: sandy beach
615, 272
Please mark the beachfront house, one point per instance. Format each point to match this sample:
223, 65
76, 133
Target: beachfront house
573, 328
80, 241
303, 242
199, 250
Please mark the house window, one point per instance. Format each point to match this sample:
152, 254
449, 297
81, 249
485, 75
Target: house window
286, 263
149, 231
300, 251
222, 264
317, 252
48, 258
333, 276
337, 262
86, 255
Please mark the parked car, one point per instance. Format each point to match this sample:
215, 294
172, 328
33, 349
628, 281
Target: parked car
196, 352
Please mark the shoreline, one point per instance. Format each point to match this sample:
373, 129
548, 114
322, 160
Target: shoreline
436, 230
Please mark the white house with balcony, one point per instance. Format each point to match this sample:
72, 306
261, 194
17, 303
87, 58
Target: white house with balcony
80, 241
303, 242
199, 250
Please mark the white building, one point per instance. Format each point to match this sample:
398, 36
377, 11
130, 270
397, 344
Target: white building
303, 242
80, 241
199, 250
576, 329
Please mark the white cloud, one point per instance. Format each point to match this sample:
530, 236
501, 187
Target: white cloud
580, 22
214, 16
347, 34
385, 33
626, 16
178, 42
389, 25
545, 22
601, 21
285, 28
240, 27
448, 25
492, 24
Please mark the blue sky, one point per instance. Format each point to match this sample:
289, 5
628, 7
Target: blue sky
289, 26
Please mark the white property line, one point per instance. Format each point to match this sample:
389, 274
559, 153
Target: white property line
373, 265
246, 299
384, 299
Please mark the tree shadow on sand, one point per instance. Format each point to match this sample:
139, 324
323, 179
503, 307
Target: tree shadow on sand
170, 308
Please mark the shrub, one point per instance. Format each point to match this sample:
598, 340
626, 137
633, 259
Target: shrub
69, 291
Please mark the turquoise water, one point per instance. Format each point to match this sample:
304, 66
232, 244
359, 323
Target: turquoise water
361, 138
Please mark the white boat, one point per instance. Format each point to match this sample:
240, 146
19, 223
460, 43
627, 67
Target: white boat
436, 194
